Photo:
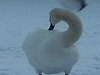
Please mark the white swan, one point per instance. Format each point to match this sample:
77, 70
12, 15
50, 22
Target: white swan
51, 51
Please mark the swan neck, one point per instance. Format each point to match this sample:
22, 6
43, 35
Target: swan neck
75, 30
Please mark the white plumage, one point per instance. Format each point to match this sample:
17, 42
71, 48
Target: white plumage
51, 51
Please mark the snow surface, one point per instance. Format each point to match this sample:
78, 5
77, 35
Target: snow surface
19, 17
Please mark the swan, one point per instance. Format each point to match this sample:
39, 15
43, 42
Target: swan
51, 51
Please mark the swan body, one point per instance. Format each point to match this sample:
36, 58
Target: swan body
51, 51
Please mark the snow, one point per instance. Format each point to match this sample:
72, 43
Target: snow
19, 17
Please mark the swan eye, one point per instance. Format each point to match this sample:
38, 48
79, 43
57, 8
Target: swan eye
50, 19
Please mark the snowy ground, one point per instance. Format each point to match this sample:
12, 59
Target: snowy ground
19, 17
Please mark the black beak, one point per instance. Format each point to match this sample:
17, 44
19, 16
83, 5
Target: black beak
51, 27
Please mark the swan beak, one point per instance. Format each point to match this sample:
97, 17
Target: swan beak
51, 27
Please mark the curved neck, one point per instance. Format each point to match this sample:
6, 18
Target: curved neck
75, 30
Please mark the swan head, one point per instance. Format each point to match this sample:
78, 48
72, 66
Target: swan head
55, 17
